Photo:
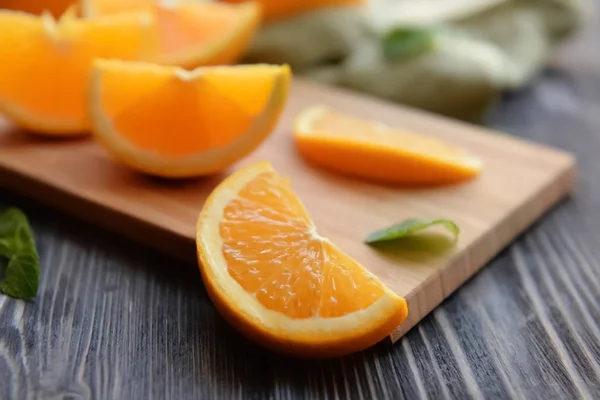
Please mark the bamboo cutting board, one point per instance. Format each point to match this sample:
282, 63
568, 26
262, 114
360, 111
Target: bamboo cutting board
520, 181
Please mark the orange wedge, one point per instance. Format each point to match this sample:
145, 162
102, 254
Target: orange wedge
46, 64
277, 281
193, 33
170, 122
280, 9
369, 149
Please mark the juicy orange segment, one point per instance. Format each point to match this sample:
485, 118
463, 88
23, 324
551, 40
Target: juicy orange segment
274, 278
43, 86
192, 33
170, 122
309, 260
369, 149
281, 9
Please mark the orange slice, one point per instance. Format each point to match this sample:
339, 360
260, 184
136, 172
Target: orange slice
170, 122
276, 280
280, 9
369, 149
193, 33
46, 64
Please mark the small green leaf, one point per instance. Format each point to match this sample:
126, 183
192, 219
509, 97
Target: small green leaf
21, 277
17, 243
6, 247
10, 220
409, 227
405, 43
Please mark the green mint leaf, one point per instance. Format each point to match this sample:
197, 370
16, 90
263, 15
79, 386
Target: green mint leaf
17, 243
406, 43
21, 277
21, 239
10, 220
409, 227
6, 248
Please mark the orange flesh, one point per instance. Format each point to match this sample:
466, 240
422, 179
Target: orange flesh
159, 111
41, 67
252, 89
197, 115
288, 268
50, 61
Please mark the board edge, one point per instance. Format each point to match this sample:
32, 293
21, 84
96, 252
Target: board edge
556, 189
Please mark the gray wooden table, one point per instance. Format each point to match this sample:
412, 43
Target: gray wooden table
115, 320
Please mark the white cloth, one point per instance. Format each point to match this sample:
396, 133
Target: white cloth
482, 47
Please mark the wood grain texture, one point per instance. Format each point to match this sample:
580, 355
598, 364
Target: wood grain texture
115, 320
519, 182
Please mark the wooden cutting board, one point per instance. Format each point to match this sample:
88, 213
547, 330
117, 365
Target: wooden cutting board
519, 183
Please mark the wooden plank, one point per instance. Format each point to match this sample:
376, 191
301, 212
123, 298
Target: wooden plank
519, 183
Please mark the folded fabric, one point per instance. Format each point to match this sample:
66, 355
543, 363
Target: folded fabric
475, 52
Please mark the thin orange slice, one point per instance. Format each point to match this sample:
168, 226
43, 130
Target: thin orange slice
193, 33
280, 9
276, 280
171, 122
46, 64
369, 149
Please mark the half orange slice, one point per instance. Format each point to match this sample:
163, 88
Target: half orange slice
175, 123
276, 280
